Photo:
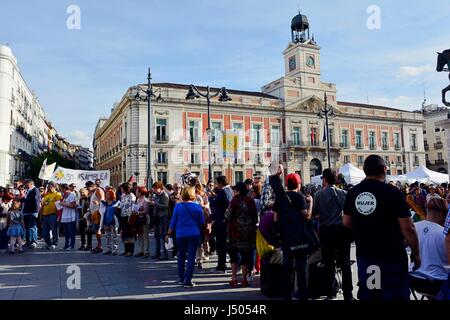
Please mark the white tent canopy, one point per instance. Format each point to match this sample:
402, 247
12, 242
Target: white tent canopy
317, 180
352, 175
424, 175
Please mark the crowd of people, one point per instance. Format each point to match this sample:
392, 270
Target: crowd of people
252, 222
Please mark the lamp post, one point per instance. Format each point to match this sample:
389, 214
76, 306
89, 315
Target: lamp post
194, 93
137, 155
327, 111
150, 93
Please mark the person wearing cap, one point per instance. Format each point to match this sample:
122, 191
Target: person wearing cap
381, 221
49, 216
335, 238
433, 193
295, 258
30, 209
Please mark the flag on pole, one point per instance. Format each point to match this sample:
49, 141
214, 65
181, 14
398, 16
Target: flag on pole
313, 137
47, 171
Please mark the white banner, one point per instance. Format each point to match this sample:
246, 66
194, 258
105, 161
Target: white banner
47, 171
80, 177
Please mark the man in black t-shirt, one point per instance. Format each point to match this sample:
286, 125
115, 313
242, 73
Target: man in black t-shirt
381, 220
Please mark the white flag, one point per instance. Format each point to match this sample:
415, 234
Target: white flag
46, 171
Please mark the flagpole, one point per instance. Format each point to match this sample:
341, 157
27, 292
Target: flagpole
328, 130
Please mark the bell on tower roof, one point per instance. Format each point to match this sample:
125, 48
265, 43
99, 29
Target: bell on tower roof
300, 28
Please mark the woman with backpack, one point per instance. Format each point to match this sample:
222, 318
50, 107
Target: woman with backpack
241, 233
109, 222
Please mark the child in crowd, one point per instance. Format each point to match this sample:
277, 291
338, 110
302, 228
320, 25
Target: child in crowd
16, 226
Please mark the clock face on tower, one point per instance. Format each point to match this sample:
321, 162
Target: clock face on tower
310, 62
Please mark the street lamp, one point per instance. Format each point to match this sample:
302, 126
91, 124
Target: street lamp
194, 93
327, 111
150, 93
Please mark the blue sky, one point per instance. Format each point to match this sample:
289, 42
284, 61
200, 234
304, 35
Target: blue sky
79, 74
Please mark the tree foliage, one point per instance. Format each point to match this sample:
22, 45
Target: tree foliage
52, 157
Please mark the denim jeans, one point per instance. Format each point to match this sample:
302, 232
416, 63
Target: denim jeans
187, 246
50, 223
30, 228
70, 229
160, 233
394, 278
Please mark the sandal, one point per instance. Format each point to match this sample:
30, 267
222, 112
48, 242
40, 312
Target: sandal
233, 283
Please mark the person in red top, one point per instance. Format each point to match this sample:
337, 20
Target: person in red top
241, 233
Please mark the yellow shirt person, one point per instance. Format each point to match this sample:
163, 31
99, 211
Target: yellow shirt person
48, 204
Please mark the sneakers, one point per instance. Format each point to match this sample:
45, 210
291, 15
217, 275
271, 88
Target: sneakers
33, 245
189, 285
114, 253
69, 249
82, 248
181, 283
200, 266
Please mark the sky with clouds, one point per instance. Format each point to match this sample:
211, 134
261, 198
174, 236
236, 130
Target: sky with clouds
79, 74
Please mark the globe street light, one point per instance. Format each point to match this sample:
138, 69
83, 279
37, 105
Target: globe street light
194, 93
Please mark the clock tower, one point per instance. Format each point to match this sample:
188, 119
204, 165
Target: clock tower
302, 67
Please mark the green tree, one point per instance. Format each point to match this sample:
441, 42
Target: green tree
52, 157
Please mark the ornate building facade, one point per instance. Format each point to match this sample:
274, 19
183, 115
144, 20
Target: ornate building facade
279, 122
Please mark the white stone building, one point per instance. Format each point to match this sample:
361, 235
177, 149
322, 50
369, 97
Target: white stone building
24, 129
281, 121
435, 137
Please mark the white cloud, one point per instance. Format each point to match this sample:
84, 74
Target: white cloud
402, 102
413, 71
81, 138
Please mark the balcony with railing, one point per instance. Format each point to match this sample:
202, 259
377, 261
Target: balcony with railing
414, 148
385, 147
438, 145
397, 147
372, 147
